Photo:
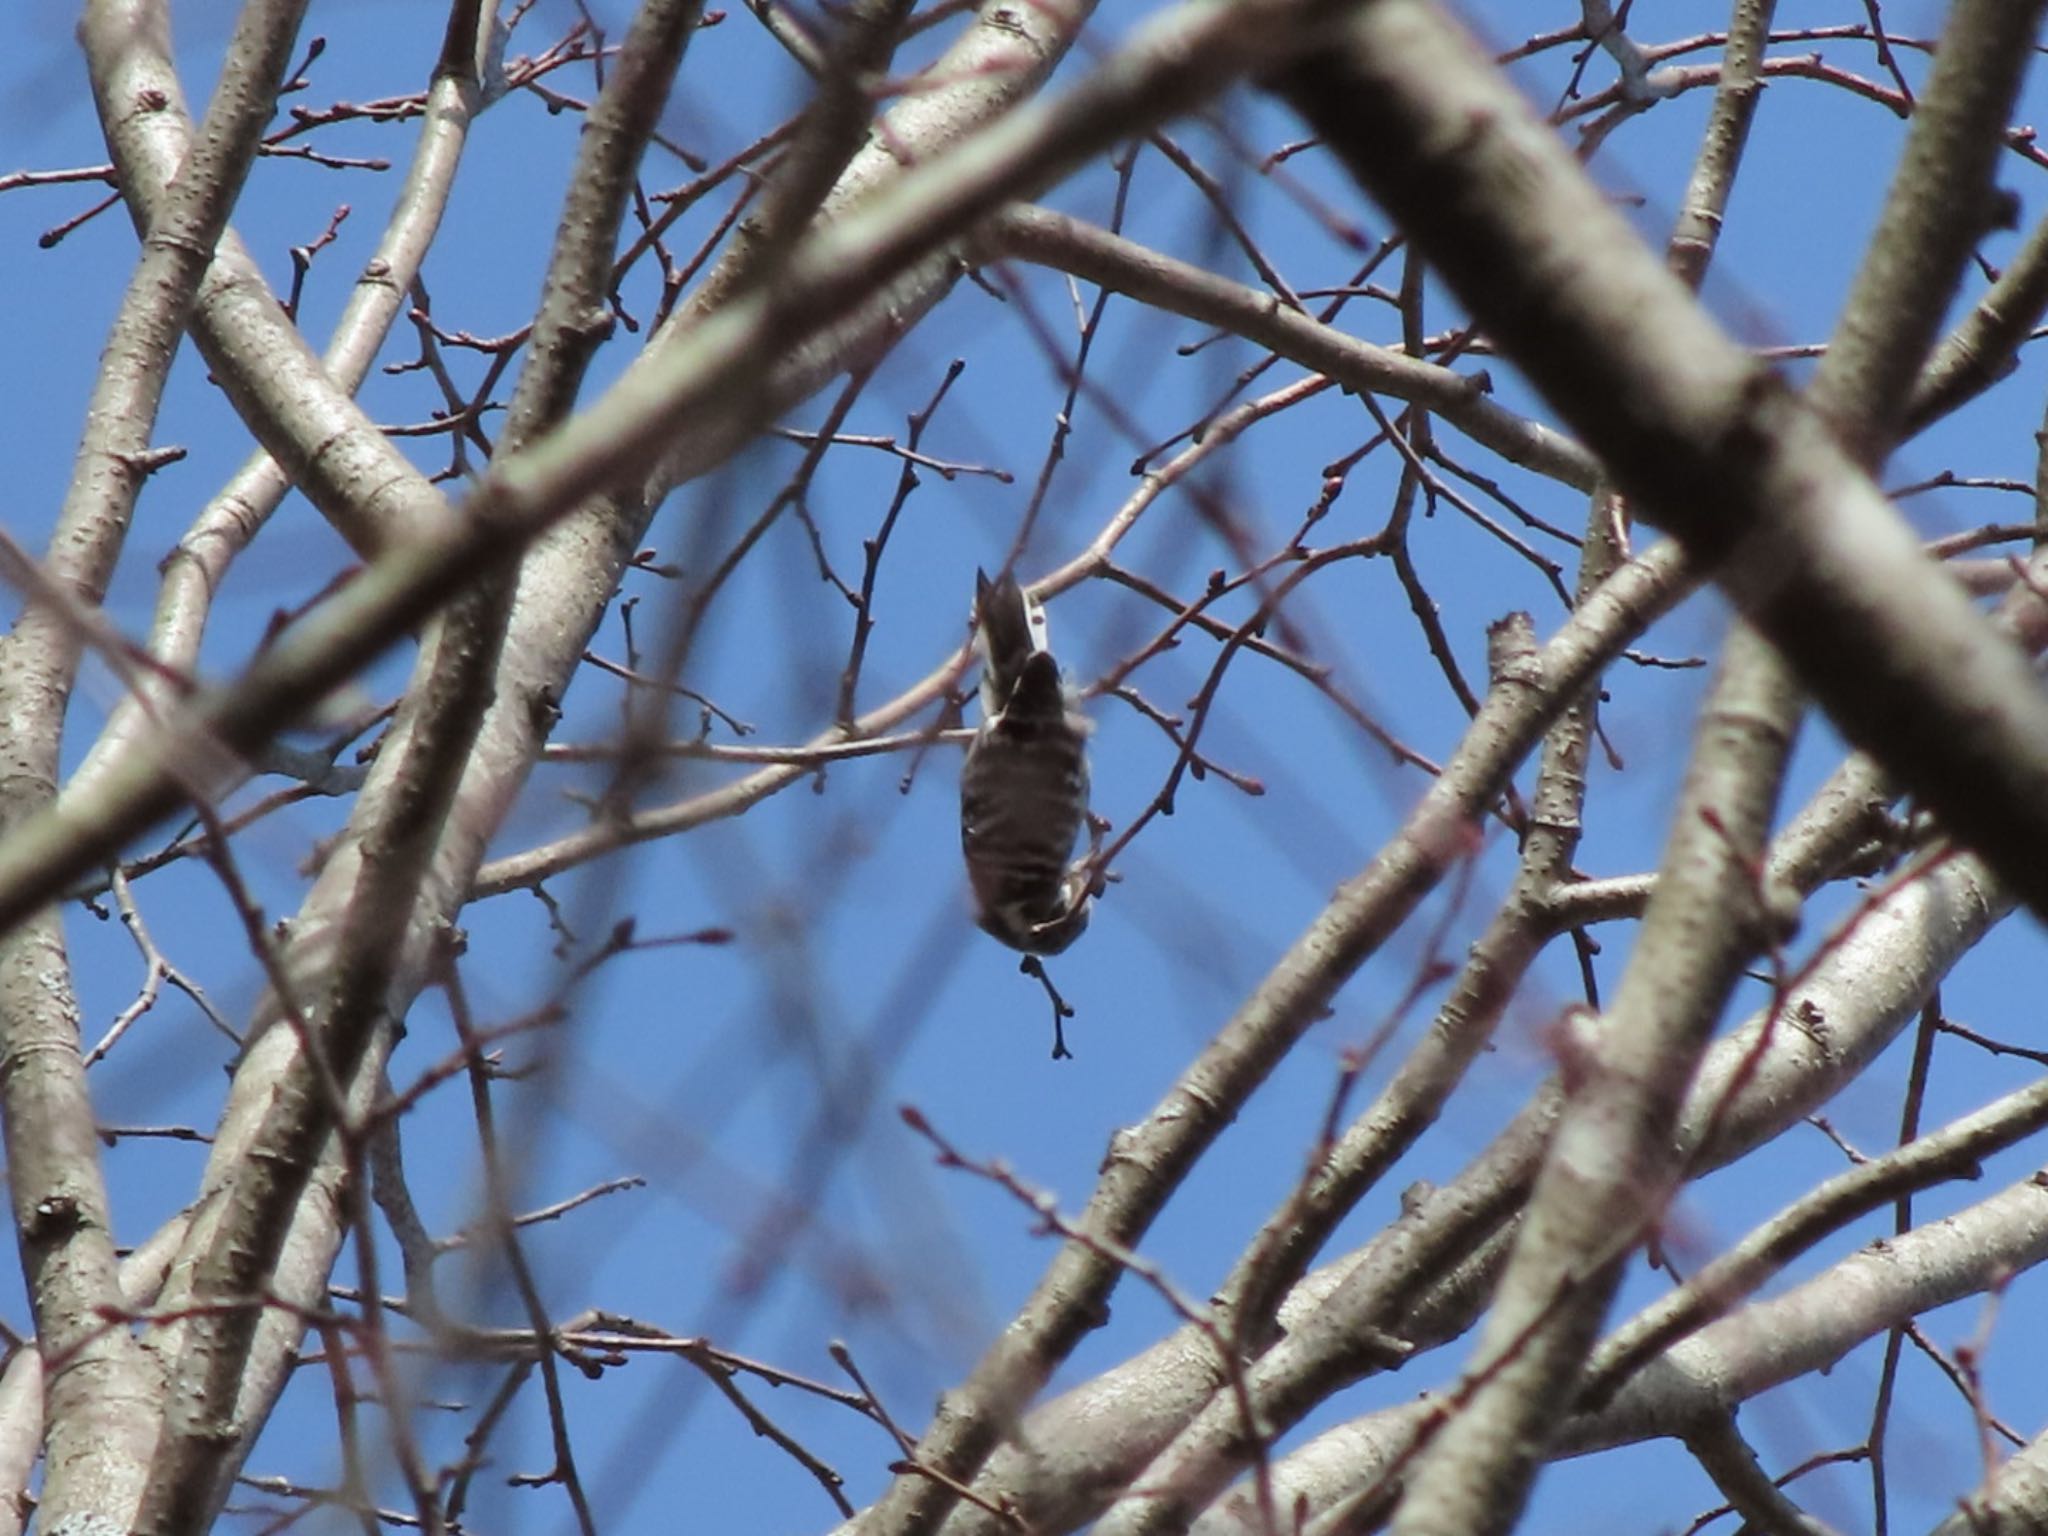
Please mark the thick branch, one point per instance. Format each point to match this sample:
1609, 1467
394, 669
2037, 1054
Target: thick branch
1709, 443
1068, 244
368, 904
329, 447
194, 570
99, 1403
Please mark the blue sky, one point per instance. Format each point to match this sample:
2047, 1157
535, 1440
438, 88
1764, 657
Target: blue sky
763, 1076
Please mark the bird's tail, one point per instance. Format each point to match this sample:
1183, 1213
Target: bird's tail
1017, 665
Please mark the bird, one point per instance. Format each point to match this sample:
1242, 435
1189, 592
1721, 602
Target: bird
1024, 787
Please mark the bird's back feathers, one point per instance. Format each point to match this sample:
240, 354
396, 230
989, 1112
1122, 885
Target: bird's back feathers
1024, 787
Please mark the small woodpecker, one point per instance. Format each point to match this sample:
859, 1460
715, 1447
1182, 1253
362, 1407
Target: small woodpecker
1024, 789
